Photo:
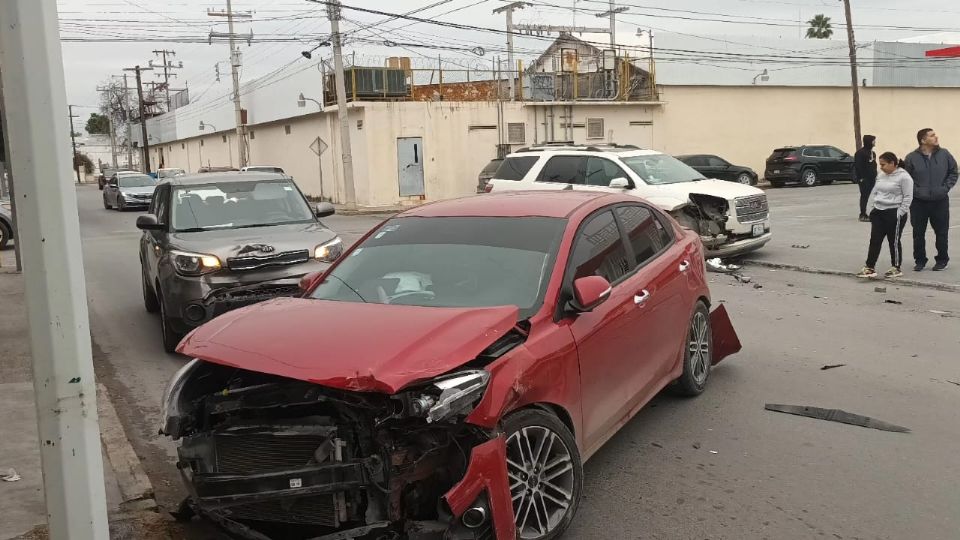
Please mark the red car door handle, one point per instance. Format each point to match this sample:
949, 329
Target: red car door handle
642, 297
684, 266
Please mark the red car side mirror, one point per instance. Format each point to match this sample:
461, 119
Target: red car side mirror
309, 280
589, 292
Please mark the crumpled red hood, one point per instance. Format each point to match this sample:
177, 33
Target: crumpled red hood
346, 345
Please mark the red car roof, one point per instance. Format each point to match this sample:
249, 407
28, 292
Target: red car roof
557, 204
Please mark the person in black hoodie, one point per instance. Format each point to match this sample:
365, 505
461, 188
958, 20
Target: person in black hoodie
865, 167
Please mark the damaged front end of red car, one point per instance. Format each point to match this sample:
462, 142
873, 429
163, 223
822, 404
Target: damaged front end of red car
267, 457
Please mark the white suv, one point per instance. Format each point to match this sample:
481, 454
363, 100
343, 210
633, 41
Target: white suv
732, 219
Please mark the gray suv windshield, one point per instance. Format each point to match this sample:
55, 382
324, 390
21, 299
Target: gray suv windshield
232, 205
661, 169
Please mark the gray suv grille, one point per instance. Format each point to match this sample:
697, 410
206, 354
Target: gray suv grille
279, 259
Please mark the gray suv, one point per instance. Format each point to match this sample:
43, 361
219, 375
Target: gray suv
219, 241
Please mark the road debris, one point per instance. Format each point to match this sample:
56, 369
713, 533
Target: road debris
658, 445
831, 366
714, 452
696, 445
800, 246
895, 302
717, 265
954, 382
742, 278
757, 286
938, 312
836, 415
10, 476
880, 289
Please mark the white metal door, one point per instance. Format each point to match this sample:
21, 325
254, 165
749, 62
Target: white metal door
410, 166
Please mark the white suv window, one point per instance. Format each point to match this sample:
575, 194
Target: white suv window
563, 170
601, 171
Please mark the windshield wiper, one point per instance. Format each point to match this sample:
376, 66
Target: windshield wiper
347, 285
269, 224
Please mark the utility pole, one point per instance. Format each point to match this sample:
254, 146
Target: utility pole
145, 145
235, 71
350, 192
73, 142
612, 13
508, 10
49, 236
854, 82
126, 108
167, 66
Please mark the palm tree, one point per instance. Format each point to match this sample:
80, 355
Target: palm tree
820, 27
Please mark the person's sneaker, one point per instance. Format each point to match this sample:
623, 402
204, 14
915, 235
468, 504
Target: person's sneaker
893, 273
919, 267
939, 266
864, 218
867, 273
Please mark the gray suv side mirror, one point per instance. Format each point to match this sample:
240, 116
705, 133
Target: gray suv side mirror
324, 209
149, 223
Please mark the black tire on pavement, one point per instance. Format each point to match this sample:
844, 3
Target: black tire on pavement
121, 206
745, 178
808, 178
150, 301
698, 354
171, 338
565, 471
5, 235
106, 205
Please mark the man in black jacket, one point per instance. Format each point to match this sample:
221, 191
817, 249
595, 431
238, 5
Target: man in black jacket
934, 173
865, 167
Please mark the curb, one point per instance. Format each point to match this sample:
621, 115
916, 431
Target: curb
946, 287
135, 486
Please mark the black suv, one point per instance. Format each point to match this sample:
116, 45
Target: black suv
809, 165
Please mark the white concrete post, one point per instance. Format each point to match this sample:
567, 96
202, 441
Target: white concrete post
63, 379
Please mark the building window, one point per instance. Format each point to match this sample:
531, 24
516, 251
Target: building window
224, 138
286, 129
516, 133
594, 128
183, 146
253, 135
201, 142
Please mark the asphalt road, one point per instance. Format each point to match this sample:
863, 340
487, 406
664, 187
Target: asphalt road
718, 466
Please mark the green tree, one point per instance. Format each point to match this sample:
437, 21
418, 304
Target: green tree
98, 124
83, 161
820, 27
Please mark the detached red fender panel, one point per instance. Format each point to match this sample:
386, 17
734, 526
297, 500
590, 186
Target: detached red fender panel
487, 471
725, 339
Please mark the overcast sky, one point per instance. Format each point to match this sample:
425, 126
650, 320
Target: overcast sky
89, 63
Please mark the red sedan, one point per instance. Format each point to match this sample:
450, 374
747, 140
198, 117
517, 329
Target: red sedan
449, 375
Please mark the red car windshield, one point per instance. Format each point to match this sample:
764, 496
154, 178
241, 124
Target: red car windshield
451, 262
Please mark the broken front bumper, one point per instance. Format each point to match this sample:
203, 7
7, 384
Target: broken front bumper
225, 476
739, 247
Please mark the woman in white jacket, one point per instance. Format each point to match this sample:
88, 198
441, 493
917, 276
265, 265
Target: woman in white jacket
891, 196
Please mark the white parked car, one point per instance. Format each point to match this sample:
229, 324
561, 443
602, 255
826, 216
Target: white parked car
732, 219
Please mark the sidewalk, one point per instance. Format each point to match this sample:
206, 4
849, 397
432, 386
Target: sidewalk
22, 509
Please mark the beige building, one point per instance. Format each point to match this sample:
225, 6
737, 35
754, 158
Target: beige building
405, 151
456, 140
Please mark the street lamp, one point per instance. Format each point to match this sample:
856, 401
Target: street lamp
302, 101
203, 126
309, 54
764, 76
